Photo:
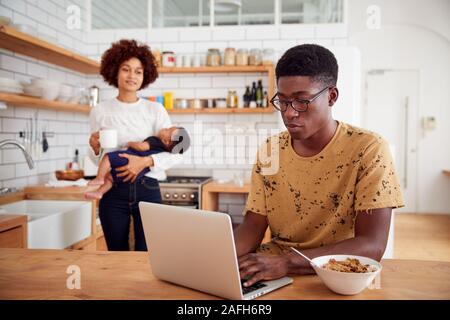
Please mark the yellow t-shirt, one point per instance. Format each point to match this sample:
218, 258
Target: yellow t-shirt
312, 201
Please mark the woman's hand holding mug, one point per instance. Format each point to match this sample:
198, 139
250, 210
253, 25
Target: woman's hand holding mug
94, 142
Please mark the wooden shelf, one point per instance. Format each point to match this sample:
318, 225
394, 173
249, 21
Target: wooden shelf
19, 100
16, 41
219, 69
221, 111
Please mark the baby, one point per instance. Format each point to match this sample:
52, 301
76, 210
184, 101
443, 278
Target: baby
165, 140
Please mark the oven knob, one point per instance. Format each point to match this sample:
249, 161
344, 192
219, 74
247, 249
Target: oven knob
175, 196
183, 196
192, 196
167, 195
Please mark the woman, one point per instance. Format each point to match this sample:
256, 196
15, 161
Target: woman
129, 67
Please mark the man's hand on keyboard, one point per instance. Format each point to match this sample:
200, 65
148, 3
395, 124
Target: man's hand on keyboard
256, 267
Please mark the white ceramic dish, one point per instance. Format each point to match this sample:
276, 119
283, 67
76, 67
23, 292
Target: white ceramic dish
11, 89
345, 283
32, 91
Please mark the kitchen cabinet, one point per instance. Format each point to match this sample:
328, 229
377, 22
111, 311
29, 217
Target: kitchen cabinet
13, 231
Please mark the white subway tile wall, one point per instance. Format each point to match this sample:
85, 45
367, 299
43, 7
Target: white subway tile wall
71, 130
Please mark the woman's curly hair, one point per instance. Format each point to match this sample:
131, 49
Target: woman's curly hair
122, 51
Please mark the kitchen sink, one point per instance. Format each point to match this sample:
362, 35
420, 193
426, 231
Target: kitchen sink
53, 224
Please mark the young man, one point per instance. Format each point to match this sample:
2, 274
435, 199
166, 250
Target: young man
334, 186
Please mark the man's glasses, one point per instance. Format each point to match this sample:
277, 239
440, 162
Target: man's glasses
299, 105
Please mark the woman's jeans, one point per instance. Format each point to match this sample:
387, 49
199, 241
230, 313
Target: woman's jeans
121, 202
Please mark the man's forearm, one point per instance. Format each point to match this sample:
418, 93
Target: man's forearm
359, 246
246, 240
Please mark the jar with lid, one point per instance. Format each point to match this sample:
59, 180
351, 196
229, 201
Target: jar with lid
213, 58
242, 57
255, 58
229, 57
232, 99
168, 59
157, 54
268, 56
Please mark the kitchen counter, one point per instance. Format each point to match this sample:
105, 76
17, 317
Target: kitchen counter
41, 274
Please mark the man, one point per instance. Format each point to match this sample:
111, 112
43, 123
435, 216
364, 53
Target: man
335, 184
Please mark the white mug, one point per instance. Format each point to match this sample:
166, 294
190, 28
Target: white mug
108, 138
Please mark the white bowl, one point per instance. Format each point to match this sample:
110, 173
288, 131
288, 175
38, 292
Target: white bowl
345, 283
39, 82
50, 92
33, 91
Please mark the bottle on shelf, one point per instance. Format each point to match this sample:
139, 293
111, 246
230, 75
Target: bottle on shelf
252, 102
265, 102
259, 94
247, 96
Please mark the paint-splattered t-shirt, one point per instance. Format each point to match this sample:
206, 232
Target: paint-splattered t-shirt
312, 201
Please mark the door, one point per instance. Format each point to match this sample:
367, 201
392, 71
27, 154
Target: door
391, 109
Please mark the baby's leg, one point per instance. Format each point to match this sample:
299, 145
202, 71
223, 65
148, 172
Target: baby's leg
104, 188
103, 169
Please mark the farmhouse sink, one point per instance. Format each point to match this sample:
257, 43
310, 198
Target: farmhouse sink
53, 224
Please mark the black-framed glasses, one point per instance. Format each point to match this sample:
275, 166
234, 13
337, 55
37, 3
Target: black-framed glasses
299, 105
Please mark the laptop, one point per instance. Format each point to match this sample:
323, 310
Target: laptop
195, 249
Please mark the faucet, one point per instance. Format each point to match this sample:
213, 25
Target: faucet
21, 147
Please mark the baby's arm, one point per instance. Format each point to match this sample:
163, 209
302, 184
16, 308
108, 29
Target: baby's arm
139, 145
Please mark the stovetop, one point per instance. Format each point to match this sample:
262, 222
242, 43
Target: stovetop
185, 181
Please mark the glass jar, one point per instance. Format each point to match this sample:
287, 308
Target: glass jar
229, 57
255, 57
268, 56
168, 59
213, 58
158, 58
242, 57
232, 99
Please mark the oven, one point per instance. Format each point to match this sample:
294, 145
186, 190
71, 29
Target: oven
183, 191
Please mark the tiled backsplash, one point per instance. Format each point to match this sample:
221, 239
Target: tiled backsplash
72, 130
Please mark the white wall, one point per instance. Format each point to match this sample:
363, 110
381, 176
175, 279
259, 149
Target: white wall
415, 35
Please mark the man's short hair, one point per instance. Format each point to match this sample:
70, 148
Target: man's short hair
309, 60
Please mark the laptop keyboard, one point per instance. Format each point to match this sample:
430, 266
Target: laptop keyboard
253, 287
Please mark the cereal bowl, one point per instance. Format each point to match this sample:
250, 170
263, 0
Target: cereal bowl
346, 283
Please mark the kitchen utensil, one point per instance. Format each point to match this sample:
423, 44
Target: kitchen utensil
71, 175
298, 252
94, 96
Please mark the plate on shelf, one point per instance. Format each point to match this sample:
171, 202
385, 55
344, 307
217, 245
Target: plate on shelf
11, 89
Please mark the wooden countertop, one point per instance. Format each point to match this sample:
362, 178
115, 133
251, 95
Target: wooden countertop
228, 187
41, 274
42, 192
